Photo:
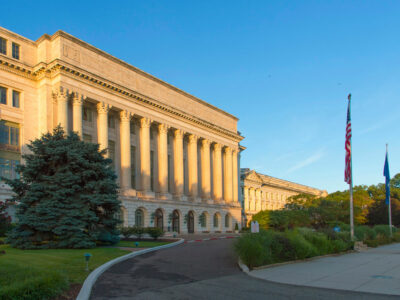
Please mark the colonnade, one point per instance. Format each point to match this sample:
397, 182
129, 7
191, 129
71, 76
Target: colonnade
256, 199
224, 161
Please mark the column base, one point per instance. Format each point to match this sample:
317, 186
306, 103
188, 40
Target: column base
128, 192
164, 196
145, 194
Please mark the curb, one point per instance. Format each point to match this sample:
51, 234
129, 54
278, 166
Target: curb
84, 293
210, 239
243, 267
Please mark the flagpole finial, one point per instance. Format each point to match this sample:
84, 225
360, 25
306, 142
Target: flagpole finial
349, 97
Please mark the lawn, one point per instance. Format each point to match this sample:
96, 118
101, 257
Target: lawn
43, 274
142, 244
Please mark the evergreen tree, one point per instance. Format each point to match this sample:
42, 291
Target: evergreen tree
67, 195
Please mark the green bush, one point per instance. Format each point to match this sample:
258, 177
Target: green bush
253, 249
126, 231
383, 230
138, 231
302, 248
319, 241
154, 232
340, 245
363, 233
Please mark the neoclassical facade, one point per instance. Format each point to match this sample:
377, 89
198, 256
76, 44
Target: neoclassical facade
263, 192
176, 156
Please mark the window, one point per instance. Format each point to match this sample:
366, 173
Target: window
8, 167
111, 121
133, 169
3, 46
152, 171
216, 220
87, 138
133, 128
203, 220
139, 218
15, 99
15, 50
3, 95
9, 136
111, 153
227, 221
87, 114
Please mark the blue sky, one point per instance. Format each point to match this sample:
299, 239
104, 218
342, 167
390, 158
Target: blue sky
283, 67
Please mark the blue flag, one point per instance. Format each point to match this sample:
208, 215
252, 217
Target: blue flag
387, 178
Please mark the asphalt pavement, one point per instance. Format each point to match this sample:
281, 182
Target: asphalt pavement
201, 270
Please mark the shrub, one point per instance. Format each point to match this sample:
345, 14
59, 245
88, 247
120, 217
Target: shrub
382, 230
126, 231
363, 233
138, 231
302, 248
340, 245
251, 250
319, 241
154, 232
262, 217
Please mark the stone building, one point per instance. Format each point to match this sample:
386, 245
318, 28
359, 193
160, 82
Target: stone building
176, 156
263, 192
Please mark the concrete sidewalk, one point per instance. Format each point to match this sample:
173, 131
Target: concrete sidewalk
375, 270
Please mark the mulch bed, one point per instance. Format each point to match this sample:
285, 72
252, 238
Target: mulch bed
71, 293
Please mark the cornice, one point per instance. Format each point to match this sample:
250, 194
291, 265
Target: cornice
57, 67
65, 35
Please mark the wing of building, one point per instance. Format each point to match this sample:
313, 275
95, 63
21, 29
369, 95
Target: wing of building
263, 192
176, 156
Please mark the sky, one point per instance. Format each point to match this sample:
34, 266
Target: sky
284, 68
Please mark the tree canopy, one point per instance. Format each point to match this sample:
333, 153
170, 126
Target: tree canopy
66, 196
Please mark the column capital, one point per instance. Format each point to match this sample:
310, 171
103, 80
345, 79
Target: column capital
192, 138
227, 150
125, 116
145, 122
77, 99
217, 147
163, 128
103, 108
60, 94
205, 142
178, 133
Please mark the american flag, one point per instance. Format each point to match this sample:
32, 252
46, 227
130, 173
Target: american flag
347, 146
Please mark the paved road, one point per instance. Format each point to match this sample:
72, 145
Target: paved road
200, 270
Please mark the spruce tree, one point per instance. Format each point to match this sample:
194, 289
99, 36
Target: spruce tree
66, 195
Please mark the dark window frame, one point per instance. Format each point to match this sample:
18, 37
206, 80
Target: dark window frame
3, 46
16, 50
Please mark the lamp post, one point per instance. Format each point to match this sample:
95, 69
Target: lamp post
87, 258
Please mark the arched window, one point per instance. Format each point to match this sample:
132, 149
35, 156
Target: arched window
227, 221
139, 218
216, 220
203, 220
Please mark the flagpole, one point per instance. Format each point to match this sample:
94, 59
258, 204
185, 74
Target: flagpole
390, 206
351, 185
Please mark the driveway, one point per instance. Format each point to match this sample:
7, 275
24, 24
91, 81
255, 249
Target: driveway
200, 270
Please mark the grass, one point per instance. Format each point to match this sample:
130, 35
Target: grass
44, 274
142, 244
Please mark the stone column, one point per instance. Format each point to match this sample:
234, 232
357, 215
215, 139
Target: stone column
62, 109
77, 114
145, 153
217, 173
178, 162
252, 199
162, 159
246, 203
125, 139
205, 169
258, 199
228, 175
192, 166
102, 125
235, 176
